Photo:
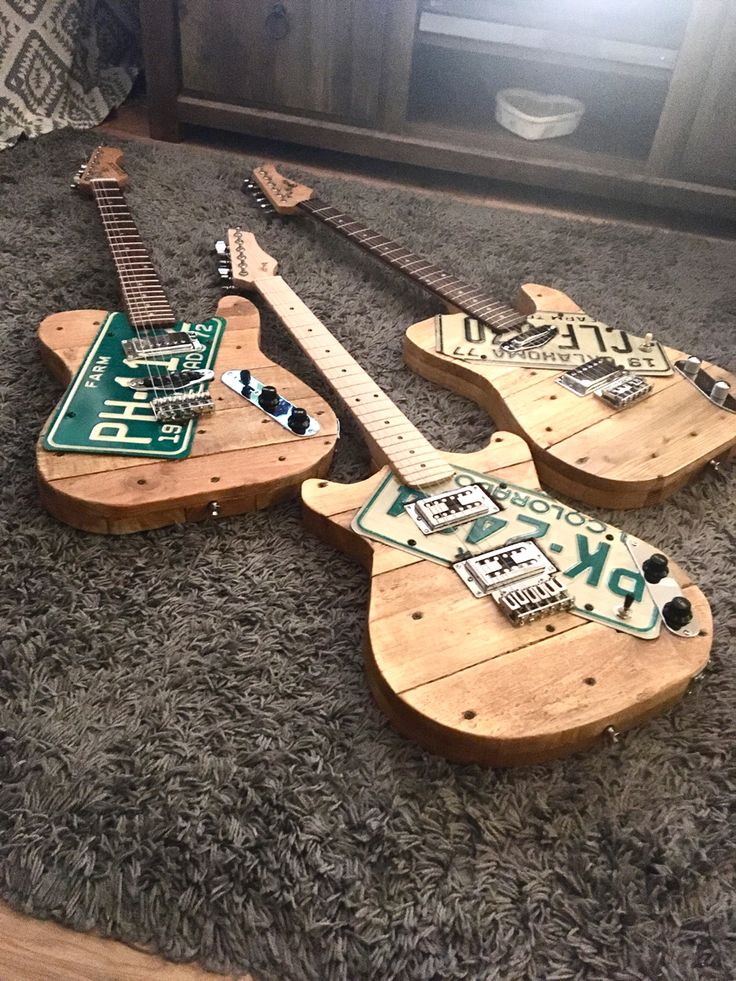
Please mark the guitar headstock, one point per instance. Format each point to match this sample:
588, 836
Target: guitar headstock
271, 188
242, 261
105, 162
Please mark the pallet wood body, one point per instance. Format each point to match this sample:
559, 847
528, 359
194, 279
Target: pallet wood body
582, 447
452, 674
241, 458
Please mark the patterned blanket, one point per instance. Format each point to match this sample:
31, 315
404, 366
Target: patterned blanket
64, 63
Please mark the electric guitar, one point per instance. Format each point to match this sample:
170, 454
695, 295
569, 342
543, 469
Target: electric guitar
146, 433
612, 420
504, 627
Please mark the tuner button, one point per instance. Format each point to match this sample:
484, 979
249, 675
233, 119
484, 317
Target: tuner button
677, 613
269, 398
299, 421
692, 366
221, 247
719, 392
655, 568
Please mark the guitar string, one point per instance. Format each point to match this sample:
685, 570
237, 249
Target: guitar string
117, 238
455, 291
119, 247
464, 548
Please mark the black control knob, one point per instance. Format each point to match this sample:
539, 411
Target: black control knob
245, 380
269, 398
299, 421
655, 568
677, 613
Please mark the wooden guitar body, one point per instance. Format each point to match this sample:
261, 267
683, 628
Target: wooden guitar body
451, 673
582, 447
241, 458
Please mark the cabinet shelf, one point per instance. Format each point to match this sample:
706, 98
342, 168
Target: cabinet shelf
549, 57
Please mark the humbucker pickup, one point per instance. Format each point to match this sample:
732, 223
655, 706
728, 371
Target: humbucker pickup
520, 578
170, 342
451, 508
181, 407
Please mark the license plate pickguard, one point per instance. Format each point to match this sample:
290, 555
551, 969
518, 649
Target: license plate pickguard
100, 414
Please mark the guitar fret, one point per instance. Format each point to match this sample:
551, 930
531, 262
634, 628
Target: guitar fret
410, 455
473, 300
143, 293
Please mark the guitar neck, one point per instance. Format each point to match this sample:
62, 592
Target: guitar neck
392, 437
145, 301
473, 300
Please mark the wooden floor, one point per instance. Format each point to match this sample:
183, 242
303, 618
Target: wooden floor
38, 950
35, 950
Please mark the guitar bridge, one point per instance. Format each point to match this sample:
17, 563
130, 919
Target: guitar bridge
519, 578
182, 407
604, 378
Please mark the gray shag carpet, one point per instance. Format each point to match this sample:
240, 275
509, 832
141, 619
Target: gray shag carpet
189, 756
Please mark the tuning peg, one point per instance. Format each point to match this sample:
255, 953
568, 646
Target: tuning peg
221, 248
249, 185
225, 271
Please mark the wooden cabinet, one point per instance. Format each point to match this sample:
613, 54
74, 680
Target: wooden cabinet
317, 57
415, 81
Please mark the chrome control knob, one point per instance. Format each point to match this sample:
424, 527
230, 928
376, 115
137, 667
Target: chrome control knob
692, 366
719, 392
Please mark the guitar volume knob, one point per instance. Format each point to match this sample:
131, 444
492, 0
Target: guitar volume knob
655, 568
299, 421
692, 366
269, 398
677, 613
719, 392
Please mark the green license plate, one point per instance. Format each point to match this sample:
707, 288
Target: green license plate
99, 413
594, 562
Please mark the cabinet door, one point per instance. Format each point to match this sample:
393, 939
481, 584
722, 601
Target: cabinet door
313, 56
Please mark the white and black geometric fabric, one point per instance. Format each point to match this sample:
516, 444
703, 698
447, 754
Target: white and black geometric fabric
64, 63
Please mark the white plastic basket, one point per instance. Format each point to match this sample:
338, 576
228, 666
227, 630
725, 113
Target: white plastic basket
537, 115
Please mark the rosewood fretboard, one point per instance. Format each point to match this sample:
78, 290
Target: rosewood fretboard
473, 300
145, 300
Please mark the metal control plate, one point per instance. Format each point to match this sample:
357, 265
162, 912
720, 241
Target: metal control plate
663, 591
251, 392
704, 384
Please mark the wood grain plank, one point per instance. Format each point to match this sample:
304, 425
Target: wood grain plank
40, 950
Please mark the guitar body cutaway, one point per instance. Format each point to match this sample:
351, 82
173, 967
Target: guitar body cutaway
452, 674
582, 447
241, 459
